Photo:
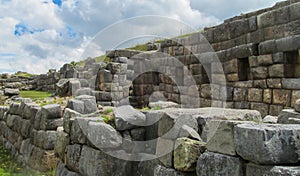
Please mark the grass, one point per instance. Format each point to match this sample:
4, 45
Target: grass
10, 167
139, 47
35, 94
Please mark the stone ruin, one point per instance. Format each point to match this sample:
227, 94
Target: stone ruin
210, 121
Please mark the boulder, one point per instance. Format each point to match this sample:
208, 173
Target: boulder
11, 92
186, 154
52, 111
61, 143
126, 118
212, 164
268, 143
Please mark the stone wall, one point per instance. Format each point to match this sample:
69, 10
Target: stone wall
29, 132
258, 53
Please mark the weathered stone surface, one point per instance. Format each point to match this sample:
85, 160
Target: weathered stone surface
212, 164
76, 105
90, 104
62, 170
240, 94
11, 92
268, 144
277, 71
186, 154
138, 134
96, 163
163, 171
264, 60
291, 83
164, 150
255, 170
126, 118
255, 95
61, 143
261, 107
289, 116
73, 153
68, 117
267, 97
170, 125
282, 97
260, 72
100, 134
146, 167
220, 136
52, 111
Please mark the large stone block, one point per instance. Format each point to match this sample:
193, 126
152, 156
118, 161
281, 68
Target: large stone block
52, 111
96, 163
268, 144
282, 97
90, 104
73, 156
261, 107
291, 83
264, 60
186, 154
68, 117
76, 105
164, 150
100, 134
260, 72
213, 164
220, 136
255, 170
126, 117
62, 170
61, 143
255, 95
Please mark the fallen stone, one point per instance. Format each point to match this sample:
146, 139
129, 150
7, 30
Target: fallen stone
126, 118
270, 119
11, 92
268, 143
212, 164
186, 154
289, 116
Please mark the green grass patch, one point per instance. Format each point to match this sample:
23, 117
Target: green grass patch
10, 167
34, 94
139, 47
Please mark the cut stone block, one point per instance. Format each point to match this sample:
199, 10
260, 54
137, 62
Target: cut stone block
268, 143
212, 164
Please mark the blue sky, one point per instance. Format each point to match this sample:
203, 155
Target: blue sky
37, 35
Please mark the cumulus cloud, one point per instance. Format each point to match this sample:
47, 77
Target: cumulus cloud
40, 34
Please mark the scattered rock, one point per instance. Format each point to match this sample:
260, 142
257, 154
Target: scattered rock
270, 119
11, 92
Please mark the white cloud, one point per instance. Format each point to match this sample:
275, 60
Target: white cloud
49, 35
